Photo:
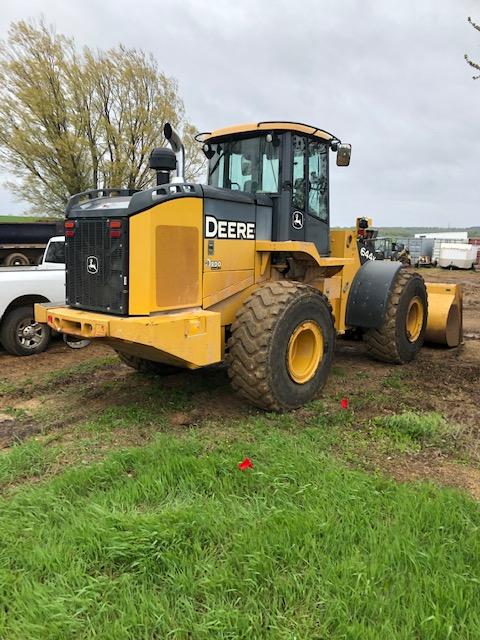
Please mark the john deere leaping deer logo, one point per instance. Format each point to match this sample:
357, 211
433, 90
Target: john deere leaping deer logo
92, 264
297, 220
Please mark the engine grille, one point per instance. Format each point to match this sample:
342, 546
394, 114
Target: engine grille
97, 267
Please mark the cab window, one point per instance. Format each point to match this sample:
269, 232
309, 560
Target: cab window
251, 165
299, 147
317, 179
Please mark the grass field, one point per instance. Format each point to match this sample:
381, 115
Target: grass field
172, 540
5, 218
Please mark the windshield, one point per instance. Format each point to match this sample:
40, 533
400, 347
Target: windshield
251, 165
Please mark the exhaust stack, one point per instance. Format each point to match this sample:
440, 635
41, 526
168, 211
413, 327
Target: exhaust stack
179, 150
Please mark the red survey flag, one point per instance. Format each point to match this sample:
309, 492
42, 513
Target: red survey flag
344, 403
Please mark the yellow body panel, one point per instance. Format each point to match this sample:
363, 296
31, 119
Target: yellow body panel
234, 255
343, 245
165, 253
307, 248
191, 337
218, 286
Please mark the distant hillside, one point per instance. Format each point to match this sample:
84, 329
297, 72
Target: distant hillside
395, 232
5, 219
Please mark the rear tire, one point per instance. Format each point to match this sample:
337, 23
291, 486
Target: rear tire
20, 335
281, 347
147, 366
401, 336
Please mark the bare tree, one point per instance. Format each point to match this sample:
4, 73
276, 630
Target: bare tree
473, 64
71, 121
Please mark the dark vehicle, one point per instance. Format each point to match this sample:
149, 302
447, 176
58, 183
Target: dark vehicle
23, 243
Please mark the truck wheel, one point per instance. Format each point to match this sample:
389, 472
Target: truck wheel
21, 335
147, 366
401, 336
16, 260
281, 346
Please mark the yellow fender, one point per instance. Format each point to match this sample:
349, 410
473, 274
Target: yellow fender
444, 324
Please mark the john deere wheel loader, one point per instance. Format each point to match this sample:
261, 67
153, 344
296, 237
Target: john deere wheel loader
243, 269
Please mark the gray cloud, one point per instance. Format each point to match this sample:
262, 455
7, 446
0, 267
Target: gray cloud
388, 77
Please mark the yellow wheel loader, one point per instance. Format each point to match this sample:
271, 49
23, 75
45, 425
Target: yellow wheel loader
244, 269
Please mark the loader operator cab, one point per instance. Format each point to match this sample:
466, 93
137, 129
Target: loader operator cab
289, 166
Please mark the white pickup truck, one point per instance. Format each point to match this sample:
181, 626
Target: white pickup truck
20, 288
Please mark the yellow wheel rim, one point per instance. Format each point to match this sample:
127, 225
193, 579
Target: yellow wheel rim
305, 351
414, 321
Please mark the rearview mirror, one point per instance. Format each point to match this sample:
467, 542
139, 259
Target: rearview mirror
246, 165
344, 151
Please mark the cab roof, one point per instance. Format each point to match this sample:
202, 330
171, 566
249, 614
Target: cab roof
270, 125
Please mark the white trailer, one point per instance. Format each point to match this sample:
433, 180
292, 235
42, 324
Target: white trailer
457, 255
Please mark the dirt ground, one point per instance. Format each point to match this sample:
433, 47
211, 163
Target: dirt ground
441, 380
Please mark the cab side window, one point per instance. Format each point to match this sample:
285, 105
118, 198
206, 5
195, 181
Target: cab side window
299, 150
317, 180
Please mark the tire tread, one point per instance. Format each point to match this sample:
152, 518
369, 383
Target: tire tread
249, 343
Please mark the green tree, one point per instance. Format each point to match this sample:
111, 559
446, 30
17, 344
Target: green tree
73, 120
473, 64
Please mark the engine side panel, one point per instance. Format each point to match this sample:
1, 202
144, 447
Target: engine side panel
166, 257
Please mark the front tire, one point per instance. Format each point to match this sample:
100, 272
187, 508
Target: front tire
401, 336
20, 335
281, 347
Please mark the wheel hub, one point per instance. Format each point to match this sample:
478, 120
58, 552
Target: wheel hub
305, 352
414, 319
30, 333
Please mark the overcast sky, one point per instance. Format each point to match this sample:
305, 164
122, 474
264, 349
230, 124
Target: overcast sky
387, 76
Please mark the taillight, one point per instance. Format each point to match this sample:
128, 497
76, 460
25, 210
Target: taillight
115, 227
69, 229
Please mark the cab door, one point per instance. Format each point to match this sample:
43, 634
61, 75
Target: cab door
310, 206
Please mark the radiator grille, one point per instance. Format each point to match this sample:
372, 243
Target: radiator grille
97, 267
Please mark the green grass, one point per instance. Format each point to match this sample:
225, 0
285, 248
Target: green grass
422, 427
6, 387
172, 541
394, 380
27, 460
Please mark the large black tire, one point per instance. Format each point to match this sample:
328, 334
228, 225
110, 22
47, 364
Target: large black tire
20, 335
393, 342
260, 346
147, 366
